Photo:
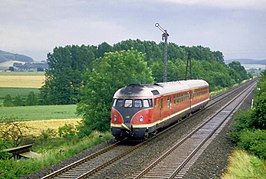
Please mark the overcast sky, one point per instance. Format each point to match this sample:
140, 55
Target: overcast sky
35, 27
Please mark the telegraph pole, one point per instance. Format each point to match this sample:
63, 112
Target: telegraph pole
188, 66
164, 37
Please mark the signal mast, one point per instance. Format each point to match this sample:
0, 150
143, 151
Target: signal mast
164, 37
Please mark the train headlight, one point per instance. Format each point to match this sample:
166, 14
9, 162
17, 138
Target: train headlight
115, 118
141, 119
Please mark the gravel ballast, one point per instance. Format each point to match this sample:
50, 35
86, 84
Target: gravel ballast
213, 161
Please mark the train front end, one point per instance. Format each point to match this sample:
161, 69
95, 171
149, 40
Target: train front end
131, 112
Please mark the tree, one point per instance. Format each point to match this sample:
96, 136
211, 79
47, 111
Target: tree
18, 101
109, 73
8, 101
157, 70
103, 48
240, 70
31, 99
259, 114
64, 75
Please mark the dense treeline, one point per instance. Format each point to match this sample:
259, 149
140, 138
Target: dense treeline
89, 75
250, 126
67, 65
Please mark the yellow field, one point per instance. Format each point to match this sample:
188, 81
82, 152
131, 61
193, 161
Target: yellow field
36, 127
21, 81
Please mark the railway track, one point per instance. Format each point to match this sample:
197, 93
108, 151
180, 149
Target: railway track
173, 161
94, 163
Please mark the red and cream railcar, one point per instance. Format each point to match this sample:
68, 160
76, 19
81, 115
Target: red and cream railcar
139, 110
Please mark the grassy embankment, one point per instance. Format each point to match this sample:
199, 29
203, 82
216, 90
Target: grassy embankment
243, 165
51, 151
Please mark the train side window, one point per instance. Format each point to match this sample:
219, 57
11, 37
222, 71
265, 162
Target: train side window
119, 102
138, 103
146, 103
128, 103
169, 102
161, 103
150, 102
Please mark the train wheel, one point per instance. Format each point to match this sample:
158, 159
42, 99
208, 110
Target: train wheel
146, 135
154, 133
120, 138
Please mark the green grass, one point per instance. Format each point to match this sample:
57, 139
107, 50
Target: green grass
55, 152
243, 165
46, 112
23, 92
13, 92
22, 73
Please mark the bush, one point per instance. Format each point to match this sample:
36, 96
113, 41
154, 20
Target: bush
259, 115
13, 133
67, 131
48, 134
8, 101
249, 127
31, 99
18, 101
3, 155
254, 141
242, 121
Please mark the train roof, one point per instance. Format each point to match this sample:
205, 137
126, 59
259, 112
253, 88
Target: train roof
150, 90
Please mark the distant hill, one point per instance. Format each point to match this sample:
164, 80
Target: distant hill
7, 56
248, 61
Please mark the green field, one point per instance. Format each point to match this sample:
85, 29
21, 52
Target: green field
17, 91
28, 113
13, 92
22, 73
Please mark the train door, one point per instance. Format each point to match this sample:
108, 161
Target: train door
161, 107
190, 98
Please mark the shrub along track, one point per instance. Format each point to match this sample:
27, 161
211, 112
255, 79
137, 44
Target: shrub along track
126, 160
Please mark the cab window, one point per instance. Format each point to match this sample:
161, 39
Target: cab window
146, 103
150, 102
119, 102
128, 103
138, 103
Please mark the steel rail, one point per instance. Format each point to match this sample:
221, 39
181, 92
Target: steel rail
78, 162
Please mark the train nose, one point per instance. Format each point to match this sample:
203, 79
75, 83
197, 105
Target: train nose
127, 122
126, 126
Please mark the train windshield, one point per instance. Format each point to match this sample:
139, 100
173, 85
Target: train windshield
136, 103
128, 103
